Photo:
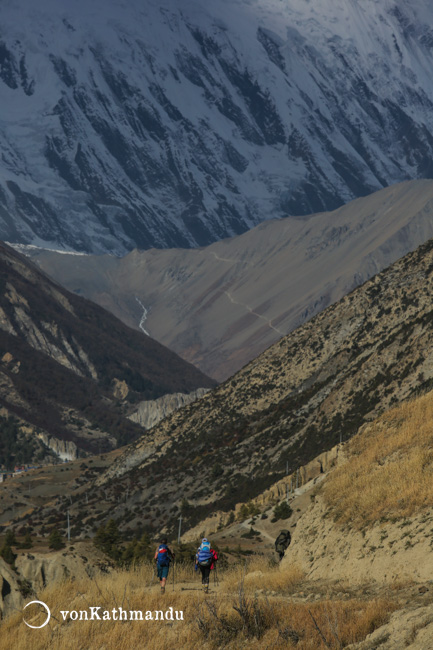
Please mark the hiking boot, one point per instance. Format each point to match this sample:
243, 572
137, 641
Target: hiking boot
163, 590
206, 589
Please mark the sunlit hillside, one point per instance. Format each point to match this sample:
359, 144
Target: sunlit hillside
389, 470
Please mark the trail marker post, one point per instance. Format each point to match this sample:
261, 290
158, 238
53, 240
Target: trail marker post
180, 525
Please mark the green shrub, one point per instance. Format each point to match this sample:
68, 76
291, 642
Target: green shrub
282, 511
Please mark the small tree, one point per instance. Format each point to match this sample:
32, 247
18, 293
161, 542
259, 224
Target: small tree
55, 540
253, 509
112, 533
128, 553
243, 512
143, 548
185, 507
10, 538
7, 554
217, 470
108, 540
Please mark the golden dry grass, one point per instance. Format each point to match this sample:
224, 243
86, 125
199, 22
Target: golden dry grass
389, 471
230, 616
257, 573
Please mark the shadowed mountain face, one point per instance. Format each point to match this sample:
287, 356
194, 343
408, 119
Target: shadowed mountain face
314, 387
221, 306
179, 123
71, 371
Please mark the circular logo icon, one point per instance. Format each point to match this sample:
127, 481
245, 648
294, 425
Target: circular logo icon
38, 602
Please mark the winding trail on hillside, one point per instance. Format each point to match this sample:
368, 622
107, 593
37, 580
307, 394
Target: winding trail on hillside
223, 259
254, 313
263, 533
228, 260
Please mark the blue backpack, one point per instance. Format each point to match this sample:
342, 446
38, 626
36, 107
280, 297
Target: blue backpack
204, 555
163, 558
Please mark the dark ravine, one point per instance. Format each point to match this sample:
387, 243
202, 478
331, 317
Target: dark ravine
70, 370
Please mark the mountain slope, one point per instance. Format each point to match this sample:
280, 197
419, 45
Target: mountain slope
364, 521
69, 369
180, 123
316, 386
221, 306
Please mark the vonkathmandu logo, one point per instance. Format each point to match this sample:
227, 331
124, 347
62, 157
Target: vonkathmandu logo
120, 614
47, 609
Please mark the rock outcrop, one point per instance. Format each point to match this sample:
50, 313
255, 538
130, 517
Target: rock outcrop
387, 552
64, 449
35, 570
10, 595
149, 413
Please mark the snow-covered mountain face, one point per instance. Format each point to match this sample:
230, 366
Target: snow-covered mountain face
176, 123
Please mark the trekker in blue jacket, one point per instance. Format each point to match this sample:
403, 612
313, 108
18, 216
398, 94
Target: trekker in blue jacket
163, 557
205, 560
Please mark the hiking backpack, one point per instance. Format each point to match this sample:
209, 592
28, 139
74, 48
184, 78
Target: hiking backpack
205, 555
282, 542
163, 558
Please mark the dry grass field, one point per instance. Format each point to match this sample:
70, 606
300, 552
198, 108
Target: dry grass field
389, 471
251, 606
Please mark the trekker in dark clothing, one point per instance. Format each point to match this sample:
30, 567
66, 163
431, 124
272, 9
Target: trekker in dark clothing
163, 557
282, 542
205, 560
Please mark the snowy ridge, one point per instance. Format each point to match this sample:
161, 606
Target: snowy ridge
178, 123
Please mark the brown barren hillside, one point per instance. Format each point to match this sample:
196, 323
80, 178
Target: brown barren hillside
221, 306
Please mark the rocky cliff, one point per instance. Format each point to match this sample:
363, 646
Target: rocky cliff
63, 449
36, 569
148, 414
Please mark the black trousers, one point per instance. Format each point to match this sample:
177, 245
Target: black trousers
205, 573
